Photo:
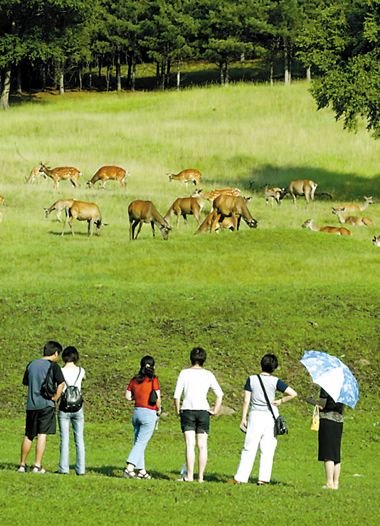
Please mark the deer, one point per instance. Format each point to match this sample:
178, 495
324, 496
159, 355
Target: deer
34, 173
376, 241
83, 211
235, 207
358, 207
140, 212
59, 206
2, 200
339, 231
213, 194
61, 173
109, 173
351, 220
190, 175
274, 195
226, 223
305, 187
184, 206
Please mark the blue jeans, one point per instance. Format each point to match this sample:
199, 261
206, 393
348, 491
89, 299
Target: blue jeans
144, 421
77, 421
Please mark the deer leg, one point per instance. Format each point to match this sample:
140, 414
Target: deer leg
152, 225
139, 227
71, 226
90, 227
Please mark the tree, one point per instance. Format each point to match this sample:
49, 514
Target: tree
344, 47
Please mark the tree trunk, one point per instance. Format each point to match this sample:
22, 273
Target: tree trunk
226, 74
287, 74
271, 73
118, 72
6, 90
61, 82
18, 80
133, 76
108, 75
80, 79
178, 77
308, 74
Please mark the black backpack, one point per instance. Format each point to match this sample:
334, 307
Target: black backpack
71, 399
48, 386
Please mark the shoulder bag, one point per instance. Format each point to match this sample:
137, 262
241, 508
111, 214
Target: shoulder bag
280, 426
153, 395
315, 419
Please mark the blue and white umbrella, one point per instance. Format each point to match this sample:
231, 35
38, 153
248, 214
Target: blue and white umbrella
333, 376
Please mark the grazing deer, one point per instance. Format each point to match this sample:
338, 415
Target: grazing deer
376, 241
109, 173
357, 207
59, 206
61, 173
235, 207
207, 225
140, 212
274, 194
2, 200
339, 231
305, 187
83, 211
351, 220
34, 173
213, 194
184, 206
190, 175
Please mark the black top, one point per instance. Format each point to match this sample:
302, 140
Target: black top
330, 404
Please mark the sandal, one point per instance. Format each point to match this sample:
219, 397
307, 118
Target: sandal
143, 475
127, 474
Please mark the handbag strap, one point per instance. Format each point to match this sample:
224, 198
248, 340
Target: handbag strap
266, 396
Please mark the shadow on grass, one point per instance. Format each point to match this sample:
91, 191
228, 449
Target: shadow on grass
334, 185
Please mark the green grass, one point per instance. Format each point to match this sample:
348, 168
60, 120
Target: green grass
278, 288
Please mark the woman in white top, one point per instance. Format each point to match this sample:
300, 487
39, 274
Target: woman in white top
260, 423
73, 375
194, 384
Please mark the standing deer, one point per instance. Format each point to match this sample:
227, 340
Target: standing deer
109, 173
190, 175
376, 241
339, 231
61, 173
274, 195
351, 220
184, 206
235, 207
59, 206
83, 211
305, 187
357, 207
213, 194
140, 212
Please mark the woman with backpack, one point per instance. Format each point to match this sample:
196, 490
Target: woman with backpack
144, 390
71, 413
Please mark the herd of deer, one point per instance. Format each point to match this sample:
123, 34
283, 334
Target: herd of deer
228, 206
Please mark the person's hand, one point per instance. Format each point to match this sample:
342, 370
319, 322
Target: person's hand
277, 402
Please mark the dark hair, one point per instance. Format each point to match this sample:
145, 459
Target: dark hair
70, 354
146, 369
269, 363
51, 347
198, 356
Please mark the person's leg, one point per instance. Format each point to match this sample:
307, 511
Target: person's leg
26, 445
268, 444
40, 449
64, 433
336, 475
329, 470
145, 420
189, 437
202, 454
251, 444
77, 420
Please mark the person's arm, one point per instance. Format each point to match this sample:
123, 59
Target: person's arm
178, 394
58, 394
244, 412
217, 405
289, 395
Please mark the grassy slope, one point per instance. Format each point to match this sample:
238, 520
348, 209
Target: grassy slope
239, 295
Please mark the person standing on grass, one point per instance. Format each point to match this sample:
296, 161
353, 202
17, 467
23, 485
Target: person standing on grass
330, 438
194, 383
73, 375
259, 424
40, 412
144, 390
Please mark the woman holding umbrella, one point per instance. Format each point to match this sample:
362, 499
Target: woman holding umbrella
330, 438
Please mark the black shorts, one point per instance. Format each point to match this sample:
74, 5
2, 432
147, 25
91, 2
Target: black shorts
195, 420
329, 440
40, 421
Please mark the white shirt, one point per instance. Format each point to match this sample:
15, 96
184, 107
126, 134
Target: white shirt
195, 383
71, 374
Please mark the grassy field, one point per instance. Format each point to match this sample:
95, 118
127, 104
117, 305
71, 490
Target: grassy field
277, 288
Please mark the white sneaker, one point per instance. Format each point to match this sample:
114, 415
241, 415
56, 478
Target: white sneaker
38, 469
21, 469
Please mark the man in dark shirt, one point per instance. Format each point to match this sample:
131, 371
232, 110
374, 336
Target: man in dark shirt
40, 412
